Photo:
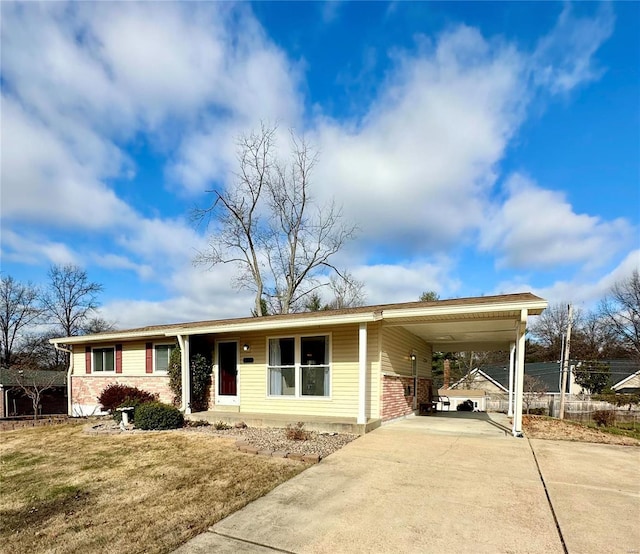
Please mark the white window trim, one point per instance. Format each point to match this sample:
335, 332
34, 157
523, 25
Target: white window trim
297, 348
93, 360
155, 345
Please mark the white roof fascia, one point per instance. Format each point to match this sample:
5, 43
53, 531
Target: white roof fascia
269, 325
464, 309
107, 337
488, 377
627, 378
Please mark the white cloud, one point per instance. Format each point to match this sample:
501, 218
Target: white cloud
415, 171
586, 291
538, 228
82, 81
32, 249
388, 283
564, 58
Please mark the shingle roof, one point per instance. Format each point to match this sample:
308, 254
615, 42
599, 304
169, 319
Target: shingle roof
549, 372
11, 377
379, 308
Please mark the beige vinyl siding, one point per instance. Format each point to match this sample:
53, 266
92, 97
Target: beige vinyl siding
133, 357
397, 345
343, 400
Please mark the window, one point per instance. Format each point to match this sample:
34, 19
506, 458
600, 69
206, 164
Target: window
299, 366
162, 356
104, 359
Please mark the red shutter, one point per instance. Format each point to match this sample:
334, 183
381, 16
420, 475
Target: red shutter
118, 358
87, 359
149, 358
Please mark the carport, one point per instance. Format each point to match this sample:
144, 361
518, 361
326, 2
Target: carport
489, 324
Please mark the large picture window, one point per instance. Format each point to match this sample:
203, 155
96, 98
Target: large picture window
104, 359
162, 356
299, 366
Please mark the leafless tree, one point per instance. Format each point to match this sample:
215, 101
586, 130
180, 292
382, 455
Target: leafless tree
551, 325
268, 224
70, 298
97, 325
621, 309
34, 383
19, 310
534, 389
347, 291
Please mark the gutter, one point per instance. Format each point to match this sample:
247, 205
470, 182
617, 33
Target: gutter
69, 371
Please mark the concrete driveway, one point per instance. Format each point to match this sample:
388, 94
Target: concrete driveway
436, 484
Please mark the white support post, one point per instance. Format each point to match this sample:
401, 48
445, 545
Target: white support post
519, 389
362, 375
183, 341
512, 359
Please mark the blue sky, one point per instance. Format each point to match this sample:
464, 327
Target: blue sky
481, 148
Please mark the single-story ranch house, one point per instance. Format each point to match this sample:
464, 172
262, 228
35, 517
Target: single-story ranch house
364, 365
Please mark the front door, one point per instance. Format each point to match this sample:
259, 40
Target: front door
227, 372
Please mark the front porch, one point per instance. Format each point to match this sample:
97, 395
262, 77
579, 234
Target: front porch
320, 424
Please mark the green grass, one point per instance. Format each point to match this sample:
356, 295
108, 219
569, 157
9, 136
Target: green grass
626, 429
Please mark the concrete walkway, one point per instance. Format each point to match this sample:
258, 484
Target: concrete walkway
436, 484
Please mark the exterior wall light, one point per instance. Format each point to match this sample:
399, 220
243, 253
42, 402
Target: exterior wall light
246, 347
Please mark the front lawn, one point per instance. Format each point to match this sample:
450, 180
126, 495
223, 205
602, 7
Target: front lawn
65, 491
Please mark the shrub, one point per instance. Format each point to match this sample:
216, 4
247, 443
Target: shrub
221, 426
196, 423
175, 375
537, 411
156, 415
114, 396
604, 418
200, 379
297, 432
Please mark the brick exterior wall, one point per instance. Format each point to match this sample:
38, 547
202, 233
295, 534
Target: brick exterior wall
85, 390
395, 402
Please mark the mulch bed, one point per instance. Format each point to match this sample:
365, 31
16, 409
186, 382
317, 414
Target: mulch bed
541, 427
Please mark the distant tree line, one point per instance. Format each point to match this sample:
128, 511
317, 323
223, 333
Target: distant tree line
30, 315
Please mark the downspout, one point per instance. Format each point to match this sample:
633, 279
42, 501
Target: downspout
69, 372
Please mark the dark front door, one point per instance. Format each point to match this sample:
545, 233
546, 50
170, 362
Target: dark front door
227, 368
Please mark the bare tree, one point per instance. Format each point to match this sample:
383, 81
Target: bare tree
70, 298
19, 310
270, 227
97, 325
550, 326
621, 309
534, 389
347, 291
241, 230
34, 383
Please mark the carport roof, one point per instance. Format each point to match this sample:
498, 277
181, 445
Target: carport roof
447, 324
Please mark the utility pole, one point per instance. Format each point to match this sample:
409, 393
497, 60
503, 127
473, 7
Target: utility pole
565, 361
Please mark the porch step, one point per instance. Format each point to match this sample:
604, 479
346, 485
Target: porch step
226, 409
322, 424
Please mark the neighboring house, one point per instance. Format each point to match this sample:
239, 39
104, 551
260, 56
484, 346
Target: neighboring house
625, 377
448, 399
15, 402
364, 365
